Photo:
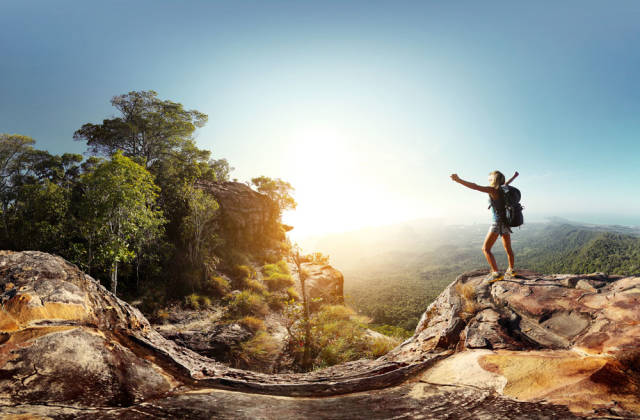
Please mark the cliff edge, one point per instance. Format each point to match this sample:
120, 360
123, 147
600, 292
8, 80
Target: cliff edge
559, 346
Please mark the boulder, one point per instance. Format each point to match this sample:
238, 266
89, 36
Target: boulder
531, 347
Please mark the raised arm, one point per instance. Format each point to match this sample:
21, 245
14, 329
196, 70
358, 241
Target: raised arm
471, 185
515, 175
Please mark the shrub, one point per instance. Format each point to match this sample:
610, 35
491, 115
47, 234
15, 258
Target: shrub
469, 304
204, 301
248, 303
255, 286
257, 353
244, 272
252, 323
293, 294
216, 286
392, 331
380, 346
278, 281
277, 276
276, 301
192, 301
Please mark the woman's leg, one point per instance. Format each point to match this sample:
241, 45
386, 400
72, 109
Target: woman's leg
506, 242
486, 249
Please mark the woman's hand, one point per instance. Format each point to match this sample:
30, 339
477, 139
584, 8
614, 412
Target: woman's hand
455, 177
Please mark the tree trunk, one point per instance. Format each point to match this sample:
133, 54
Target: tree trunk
114, 277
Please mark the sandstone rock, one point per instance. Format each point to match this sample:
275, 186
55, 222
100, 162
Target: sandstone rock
248, 219
323, 281
70, 349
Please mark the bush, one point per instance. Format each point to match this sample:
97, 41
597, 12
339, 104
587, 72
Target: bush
243, 272
247, 303
216, 286
380, 346
255, 286
277, 276
257, 353
276, 301
291, 292
204, 301
252, 323
192, 301
392, 331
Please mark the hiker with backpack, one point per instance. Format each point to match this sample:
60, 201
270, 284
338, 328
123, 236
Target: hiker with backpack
507, 212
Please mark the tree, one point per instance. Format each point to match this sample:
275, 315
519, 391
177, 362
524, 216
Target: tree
276, 189
119, 213
14, 149
149, 128
221, 168
198, 231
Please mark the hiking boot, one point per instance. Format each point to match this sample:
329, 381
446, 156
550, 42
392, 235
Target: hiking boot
510, 273
494, 276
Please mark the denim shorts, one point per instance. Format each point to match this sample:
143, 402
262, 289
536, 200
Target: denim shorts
500, 228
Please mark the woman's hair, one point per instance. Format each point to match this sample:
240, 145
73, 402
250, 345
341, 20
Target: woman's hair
498, 179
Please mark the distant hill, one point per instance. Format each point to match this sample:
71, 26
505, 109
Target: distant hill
392, 273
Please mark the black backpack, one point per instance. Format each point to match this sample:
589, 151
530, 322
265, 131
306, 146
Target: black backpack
512, 206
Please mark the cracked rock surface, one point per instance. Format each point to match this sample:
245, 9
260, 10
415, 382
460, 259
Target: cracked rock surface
531, 347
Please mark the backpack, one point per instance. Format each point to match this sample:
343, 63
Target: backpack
513, 209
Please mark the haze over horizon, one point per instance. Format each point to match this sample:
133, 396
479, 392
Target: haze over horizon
366, 108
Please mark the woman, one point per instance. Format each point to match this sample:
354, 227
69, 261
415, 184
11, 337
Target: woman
499, 226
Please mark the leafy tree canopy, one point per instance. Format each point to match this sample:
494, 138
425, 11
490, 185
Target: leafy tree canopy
148, 129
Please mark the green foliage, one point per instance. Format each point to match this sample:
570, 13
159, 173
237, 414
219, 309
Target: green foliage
338, 335
277, 190
118, 212
244, 272
148, 128
277, 276
379, 346
276, 301
216, 286
192, 301
255, 286
292, 294
247, 303
198, 229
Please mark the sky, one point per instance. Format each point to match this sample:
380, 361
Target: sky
365, 107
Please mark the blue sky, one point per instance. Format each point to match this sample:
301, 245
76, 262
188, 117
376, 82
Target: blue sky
365, 107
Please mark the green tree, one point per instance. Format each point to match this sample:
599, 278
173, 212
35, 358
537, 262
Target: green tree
149, 128
119, 211
14, 150
221, 168
276, 189
198, 229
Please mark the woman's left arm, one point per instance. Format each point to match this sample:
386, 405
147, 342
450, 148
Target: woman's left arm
515, 175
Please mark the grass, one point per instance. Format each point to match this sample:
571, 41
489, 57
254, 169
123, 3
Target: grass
277, 276
252, 323
257, 353
248, 303
467, 294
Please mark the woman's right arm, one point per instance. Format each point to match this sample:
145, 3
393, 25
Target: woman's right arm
471, 185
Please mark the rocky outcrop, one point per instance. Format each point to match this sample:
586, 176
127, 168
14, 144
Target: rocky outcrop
248, 220
323, 282
531, 347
